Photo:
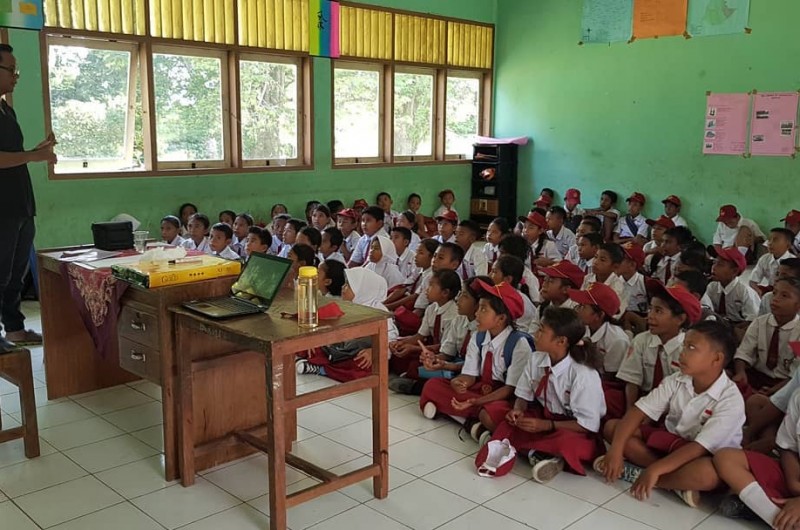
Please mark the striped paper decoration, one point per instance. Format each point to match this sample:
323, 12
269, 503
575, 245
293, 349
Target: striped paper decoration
323, 28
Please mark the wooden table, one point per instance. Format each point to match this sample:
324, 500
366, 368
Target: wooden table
220, 354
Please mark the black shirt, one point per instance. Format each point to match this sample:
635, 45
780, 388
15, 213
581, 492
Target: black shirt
16, 191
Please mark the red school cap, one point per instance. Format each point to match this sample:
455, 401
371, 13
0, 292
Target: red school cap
565, 269
679, 293
360, 203
732, 254
664, 221
544, 201
792, 217
598, 294
449, 215
349, 213
727, 212
634, 253
445, 192
505, 292
674, 199
535, 218
573, 195
638, 197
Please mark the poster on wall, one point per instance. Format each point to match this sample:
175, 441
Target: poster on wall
725, 131
22, 14
659, 18
323, 28
605, 21
773, 124
717, 17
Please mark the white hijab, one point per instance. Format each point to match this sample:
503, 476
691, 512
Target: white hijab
370, 290
387, 266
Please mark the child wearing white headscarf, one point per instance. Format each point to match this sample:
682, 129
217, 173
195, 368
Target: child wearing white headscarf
383, 261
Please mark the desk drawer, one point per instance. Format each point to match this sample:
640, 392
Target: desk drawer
139, 324
140, 359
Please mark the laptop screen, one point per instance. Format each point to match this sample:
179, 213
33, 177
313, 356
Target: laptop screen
261, 278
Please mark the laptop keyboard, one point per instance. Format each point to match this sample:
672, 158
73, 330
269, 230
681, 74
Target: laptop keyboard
232, 304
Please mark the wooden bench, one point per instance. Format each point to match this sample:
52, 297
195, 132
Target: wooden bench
15, 367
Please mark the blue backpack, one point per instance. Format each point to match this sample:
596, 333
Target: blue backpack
511, 343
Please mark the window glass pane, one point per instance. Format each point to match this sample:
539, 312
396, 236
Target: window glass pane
413, 114
269, 110
463, 107
188, 94
89, 105
356, 95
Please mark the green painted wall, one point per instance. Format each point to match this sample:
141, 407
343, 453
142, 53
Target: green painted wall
629, 117
66, 209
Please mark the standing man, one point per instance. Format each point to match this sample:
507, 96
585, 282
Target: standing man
17, 208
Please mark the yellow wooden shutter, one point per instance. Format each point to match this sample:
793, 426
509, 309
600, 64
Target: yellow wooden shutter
125, 17
195, 20
469, 45
419, 39
365, 33
274, 24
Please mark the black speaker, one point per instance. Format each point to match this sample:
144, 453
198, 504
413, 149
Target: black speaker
113, 236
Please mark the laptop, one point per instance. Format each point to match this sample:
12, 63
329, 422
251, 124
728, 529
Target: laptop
253, 292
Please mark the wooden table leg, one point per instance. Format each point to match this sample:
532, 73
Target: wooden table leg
28, 406
276, 436
380, 412
289, 393
185, 403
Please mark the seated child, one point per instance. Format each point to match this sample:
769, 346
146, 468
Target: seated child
543, 251
401, 239
308, 235
788, 268
657, 229
321, 218
662, 265
330, 277
559, 402
732, 299
574, 213
289, 236
517, 246
408, 220
498, 229
384, 201
414, 203
301, 256
764, 361
604, 270
607, 213
632, 227
735, 231
197, 233
220, 242
186, 210
509, 269
587, 244
474, 263
694, 257
558, 280
351, 360
171, 231
446, 225
407, 298
672, 210
447, 200
258, 240
359, 205
766, 270
495, 359
334, 207
634, 280
704, 415
241, 225
655, 353
372, 226
278, 209
545, 199
596, 308
792, 223
310, 207
347, 221
696, 283
329, 247
277, 227
557, 232
227, 217
383, 261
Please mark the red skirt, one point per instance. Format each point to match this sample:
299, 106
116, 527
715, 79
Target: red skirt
408, 322
769, 475
614, 392
756, 381
408, 365
342, 371
440, 393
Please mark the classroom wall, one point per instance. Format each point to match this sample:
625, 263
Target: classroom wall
629, 117
66, 208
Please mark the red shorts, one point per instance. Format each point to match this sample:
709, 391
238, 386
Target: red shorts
658, 438
769, 475
441, 393
614, 392
756, 381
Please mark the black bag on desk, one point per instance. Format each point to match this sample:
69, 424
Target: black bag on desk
113, 235
341, 351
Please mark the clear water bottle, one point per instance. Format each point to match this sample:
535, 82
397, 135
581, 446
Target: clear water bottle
307, 293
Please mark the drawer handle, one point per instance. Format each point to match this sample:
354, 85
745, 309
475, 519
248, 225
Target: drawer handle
138, 325
136, 356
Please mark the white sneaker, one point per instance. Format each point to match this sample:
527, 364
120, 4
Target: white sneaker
429, 410
545, 470
484, 438
690, 497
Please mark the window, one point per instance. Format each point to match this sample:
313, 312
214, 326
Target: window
93, 106
413, 115
270, 123
462, 121
190, 93
357, 96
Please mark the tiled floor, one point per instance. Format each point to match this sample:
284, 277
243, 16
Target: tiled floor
101, 468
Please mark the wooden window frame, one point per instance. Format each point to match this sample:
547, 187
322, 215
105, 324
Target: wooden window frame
433, 73
484, 79
385, 101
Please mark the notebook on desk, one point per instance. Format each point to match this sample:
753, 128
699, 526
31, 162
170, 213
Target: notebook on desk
253, 292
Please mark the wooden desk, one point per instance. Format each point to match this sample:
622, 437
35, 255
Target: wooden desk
220, 355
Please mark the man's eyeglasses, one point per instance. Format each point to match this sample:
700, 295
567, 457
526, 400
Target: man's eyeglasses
12, 71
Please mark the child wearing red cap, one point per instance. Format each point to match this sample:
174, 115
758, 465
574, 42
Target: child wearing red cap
632, 227
447, 200
704, 415
545, 199
486, 383
597, 306
607, 213
654, 353
792, 223
446, 225
657, 229
605, 266
347, 222
672, 209
558, 280
543, 250
572, 201
730, 297
634, 280
733, 230
766, 270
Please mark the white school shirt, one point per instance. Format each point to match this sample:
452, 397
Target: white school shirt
361, 252
454, 335
177, 242
227, 253
442, 209
636, 292
529, 321
613, 344
713, 419
563, 241
755, 346
616, 282
782, 397
573, 389
789, 431
284, 251
451, 239
548, 251
415, 241
766, 269
741, 301
351, 240
603, 217
407, 265
422, 288
577, 211
388, 219
532, 282
640, 222
448, 312
679, 221
650, 246
335, 256
491, 253
476, 354
473, 264
203, 246
638, 367
661, 268
275, 247
727, 236
796, 244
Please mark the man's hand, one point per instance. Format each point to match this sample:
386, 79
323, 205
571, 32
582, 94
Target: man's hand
50, 142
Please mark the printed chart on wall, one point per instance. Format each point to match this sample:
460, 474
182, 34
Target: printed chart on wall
605, 21
717, 17
658, 18
726, 124
23, 14
773, 124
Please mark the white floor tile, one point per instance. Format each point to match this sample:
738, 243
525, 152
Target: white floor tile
137, 418
58, 414
110, 453
447, 436
360, 518
137, 478
67, 501
663, 509
326, 417
462, 478
311, 512
249, 478
13, 452
37, 474
591, 488
14, 518
411, 420
112, 399
358, 436
324, 452
3, 498
718, 522
123, 516
146, 387
152, 436
482, 519
242, 517
420, 457
177, 506
602, 519
421, 505
361, 402
9, 403
539, 506
78, 433
9, 422
362, 492
309, 383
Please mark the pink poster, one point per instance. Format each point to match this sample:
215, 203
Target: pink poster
726, 124
774, 124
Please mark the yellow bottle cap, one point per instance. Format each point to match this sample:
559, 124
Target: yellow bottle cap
307, 272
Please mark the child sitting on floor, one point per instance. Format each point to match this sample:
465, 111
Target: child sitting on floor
383, 261
310, 236
347, 221
198, 233
384, 202
509, 269
517, 246
633, 226
446, 225
185, 212
220, 242
321, 218
662, 265
543, 250
596, 308
474, 262
788, 268
447, 200
766, 270
589, 225
607, 213
658, 228
372, 226
258, 240
558, 280
277, 227
241, 225
587, 247
330, 277
401, 239
407, 220
732, 299
604, 270
407, 297
331, 244
559, 234
498, 229
574, 213
171, 231
289, 236
227, 217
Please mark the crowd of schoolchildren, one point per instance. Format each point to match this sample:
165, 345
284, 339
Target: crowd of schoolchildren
575, 338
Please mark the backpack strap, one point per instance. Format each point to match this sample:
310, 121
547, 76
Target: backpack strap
511, 343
